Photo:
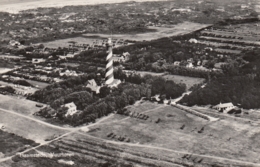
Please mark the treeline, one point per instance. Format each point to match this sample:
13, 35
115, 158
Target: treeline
62, 89
158, 84
7, 89
240, 21
178, 70
18, 82
93, 106
241, 86
243, 91
25, 76
124, 95
160, 55
243, 43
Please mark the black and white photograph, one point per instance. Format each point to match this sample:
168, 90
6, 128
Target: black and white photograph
130, 83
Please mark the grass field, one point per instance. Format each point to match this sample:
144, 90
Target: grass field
20, 88
224, 138
23, 106
152, 144
10, 143
179, 29
64, 42
142, 73
5, 70
188, 81
27, 128
37, 84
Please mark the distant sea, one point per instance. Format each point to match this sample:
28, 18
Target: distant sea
14, 6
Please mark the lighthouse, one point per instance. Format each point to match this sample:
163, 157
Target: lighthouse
110, 81
109, 66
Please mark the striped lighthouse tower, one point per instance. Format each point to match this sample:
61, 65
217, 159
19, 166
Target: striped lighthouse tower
109, 66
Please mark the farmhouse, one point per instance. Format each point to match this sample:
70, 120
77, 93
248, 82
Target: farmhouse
93, 86
224, 107
192, 40
72, 108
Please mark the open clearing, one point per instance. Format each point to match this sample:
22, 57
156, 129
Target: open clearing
10, 143
65, 42
5, 70
23, 106
28, 128
188, 81
179, 29
37, 84
20, 88
224, 138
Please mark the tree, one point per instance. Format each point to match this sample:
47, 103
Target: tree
158, 86
104, 91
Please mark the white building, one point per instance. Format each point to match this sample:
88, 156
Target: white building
192, 40
72, 108
93, 86
225, 107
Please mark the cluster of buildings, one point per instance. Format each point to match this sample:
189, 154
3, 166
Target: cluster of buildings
121, 58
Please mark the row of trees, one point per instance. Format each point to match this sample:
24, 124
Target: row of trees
62, 89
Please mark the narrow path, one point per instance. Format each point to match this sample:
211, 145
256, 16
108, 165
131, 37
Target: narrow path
72, 130
174, 101
35, 120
